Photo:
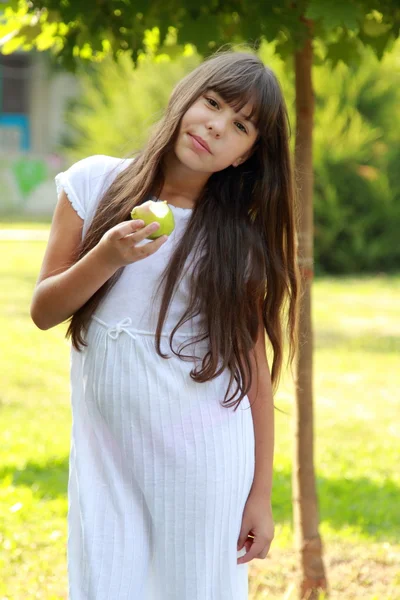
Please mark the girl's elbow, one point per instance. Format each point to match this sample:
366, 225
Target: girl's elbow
38, 323
37, 318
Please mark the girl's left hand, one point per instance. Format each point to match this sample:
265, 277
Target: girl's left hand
257, 522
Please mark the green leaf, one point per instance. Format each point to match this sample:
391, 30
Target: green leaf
335, 13
379, 44
13, 4
207, 24
346, 49
192, 30
374, 27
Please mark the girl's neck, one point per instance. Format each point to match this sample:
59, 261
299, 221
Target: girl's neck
181, 185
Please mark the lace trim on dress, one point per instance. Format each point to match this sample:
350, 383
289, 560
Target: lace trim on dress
63, 183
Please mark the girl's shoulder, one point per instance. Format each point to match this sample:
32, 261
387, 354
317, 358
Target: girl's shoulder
87, 178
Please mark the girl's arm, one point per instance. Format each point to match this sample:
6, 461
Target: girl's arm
263, 417
63, 287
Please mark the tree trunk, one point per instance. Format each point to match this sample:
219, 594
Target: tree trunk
305, 503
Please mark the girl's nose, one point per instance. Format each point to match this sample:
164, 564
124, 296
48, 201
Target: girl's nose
216, 127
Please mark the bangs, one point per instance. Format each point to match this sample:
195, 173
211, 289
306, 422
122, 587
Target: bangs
240, 79
247, 86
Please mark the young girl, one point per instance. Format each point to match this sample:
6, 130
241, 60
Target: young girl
171, 463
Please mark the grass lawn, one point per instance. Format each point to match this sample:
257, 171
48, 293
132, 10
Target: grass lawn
23, 222
357, 429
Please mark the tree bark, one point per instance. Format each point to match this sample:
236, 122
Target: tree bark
305, 502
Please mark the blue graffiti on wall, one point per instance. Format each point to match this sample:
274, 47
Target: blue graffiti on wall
14, 129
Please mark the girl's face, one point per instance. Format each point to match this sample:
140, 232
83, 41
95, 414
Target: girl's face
227, 135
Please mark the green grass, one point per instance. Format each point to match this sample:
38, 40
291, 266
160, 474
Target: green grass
23, 222
357, 435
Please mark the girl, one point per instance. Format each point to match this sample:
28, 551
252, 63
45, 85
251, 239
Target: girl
171, 463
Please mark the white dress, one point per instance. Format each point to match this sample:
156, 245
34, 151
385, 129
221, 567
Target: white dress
159, 471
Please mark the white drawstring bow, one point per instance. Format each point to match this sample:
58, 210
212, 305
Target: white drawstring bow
113, 332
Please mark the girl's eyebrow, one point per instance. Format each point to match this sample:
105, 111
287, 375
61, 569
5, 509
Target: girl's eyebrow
245, 117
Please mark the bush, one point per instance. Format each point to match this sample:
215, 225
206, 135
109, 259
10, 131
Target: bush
357, 182
356, 148
119, 103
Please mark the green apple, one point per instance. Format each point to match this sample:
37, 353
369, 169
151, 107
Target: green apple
160, 212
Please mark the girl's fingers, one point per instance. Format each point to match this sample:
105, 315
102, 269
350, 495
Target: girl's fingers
129, 227
125, 229
153, 245
142, 233
131, 242
253, 548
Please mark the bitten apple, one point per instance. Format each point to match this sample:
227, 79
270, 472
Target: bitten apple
160, 212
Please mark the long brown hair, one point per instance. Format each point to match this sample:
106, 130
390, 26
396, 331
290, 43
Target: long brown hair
241, 213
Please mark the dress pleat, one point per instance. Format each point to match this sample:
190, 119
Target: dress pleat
160, 473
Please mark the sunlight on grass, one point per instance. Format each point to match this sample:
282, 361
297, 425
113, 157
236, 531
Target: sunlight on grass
21, 222
357, 437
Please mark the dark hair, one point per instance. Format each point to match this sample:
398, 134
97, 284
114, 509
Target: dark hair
242, 213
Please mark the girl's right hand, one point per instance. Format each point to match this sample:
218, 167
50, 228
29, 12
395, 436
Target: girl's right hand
118, 244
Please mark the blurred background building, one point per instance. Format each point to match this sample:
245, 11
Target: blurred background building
32, 101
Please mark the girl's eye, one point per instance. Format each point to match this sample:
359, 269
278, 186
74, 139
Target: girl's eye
243, 127
210, 100
215, 105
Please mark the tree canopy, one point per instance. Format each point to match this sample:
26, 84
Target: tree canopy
77, 31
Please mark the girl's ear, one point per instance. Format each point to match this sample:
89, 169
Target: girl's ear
245, 156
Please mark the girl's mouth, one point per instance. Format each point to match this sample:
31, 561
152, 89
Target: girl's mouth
197, 144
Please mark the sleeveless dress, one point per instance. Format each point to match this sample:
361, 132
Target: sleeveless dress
159, 471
